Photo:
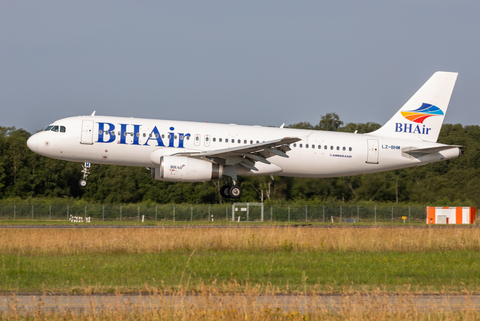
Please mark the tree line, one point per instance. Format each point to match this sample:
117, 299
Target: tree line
26, 175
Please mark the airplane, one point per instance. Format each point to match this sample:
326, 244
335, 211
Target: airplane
181, 151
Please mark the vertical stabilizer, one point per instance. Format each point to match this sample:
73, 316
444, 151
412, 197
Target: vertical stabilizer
422, 115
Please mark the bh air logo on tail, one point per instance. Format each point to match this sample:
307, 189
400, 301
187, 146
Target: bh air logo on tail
418, 116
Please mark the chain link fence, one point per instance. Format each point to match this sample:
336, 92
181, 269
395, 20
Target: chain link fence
159, 213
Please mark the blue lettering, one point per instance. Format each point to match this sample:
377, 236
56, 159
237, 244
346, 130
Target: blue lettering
136, 134
102, 130
156, 136
123, 134
171, 137
409, 128
417, 129
398, 127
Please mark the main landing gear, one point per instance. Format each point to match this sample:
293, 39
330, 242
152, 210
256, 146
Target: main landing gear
234, 191
86, 171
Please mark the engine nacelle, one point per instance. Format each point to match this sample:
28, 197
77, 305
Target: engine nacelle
186, 169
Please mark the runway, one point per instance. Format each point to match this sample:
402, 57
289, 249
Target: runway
101, 303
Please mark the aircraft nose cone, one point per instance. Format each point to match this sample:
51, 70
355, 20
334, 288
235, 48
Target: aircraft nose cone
32, 143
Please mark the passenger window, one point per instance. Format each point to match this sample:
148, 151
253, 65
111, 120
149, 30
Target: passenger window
100, 132
313, 146
344, 148
206, 138
338, 147
197, 138
251, 142
214, 139
306, 145
163, 136
188, 137
156, 135
325, 147
301, 145
294, 145
239, 141
168, 136
331, 147
144, 135
319, 146
350, 148
219, 140
245, 141
138, 134
257, 141
226, 140
63, 129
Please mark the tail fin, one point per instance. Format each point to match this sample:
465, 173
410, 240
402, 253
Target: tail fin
422, 115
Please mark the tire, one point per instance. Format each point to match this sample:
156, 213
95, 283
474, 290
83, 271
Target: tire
82, 182
235, 191
225, 191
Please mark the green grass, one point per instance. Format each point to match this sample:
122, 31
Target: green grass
282, 271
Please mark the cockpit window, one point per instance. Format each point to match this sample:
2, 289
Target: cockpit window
56, 128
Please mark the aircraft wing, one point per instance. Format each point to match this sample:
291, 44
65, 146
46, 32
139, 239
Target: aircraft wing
246, 155
428, 150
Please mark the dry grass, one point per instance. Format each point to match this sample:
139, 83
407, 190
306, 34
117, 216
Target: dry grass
251, 306
134, 241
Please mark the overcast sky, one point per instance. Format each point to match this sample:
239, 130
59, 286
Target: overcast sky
245, 62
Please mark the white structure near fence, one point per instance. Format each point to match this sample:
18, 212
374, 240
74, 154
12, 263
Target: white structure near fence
242, 211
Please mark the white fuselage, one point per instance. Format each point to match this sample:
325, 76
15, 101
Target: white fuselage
134, 142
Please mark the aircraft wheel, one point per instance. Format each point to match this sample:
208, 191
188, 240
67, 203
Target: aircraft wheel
225, 191
82, 182
235, 191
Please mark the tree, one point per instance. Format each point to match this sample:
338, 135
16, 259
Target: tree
330, 122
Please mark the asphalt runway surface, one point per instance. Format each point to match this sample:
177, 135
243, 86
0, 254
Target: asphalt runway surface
97, 303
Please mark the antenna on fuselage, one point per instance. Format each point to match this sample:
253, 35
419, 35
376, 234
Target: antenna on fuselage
93, 114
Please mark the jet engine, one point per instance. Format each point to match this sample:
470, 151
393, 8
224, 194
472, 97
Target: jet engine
186, 169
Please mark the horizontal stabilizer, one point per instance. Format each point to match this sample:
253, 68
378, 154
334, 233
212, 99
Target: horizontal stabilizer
428, 150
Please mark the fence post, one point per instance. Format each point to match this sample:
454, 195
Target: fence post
323, 213
375, 212
191, 213
14, 211
50, 211
85, 213
174, 213
358, 214
289, 213
340, 213
392, 214
209, 214
271, 213
32, 212
138, 213
408, 214
156, 206
103, 212
306, 213
68, 212
120, 212
226, 213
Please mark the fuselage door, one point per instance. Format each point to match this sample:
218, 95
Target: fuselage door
87, 132
372, 152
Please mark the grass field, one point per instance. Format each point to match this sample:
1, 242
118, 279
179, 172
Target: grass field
236, 260
245, 263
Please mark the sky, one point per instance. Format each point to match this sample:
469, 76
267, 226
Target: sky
244, 62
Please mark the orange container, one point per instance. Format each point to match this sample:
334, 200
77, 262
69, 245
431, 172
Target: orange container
451, 215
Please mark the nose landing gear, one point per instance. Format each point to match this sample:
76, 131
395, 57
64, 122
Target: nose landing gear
86, 171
